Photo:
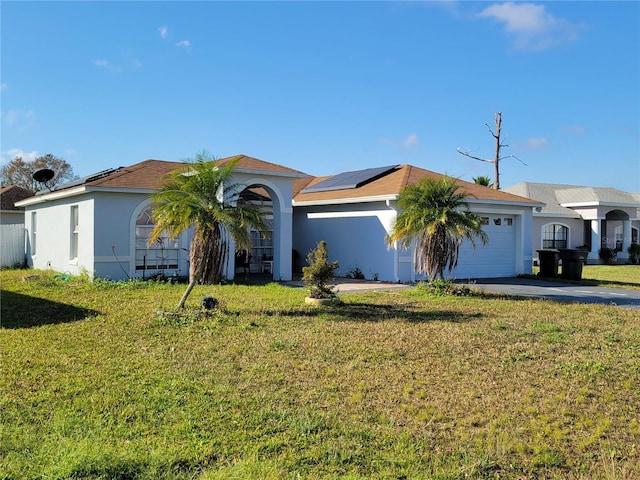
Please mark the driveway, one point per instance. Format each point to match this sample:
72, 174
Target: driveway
552, 290
514, 286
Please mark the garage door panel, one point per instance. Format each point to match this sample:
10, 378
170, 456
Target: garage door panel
495, 259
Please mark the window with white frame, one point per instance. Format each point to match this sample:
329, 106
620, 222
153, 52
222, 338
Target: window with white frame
34, 224
554, 235
75, 231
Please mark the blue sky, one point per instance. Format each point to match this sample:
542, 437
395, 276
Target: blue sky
326, 87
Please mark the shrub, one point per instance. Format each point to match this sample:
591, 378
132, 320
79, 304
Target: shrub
356, 273
319, 272
634, 253
607, 255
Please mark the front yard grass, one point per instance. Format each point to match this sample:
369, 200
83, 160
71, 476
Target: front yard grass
392, 384
617, 276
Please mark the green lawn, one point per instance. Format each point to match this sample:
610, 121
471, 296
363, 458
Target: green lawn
615, 276
399, 384
619, 276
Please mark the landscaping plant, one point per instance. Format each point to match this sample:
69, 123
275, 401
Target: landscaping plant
319, 272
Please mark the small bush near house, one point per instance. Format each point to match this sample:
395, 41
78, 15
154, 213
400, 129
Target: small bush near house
607, 255
319, 272
356, 273
634, 253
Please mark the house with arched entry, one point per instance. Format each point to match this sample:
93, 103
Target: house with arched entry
100, 224
576, 216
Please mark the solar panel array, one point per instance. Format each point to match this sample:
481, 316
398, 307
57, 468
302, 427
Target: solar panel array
82, 180
349, 180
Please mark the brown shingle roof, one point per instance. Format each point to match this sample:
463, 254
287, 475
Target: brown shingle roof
392, 184
255, 164
149, 173
144, 175
11, 194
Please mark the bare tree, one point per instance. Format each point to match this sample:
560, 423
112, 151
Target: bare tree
497, 157
20, 172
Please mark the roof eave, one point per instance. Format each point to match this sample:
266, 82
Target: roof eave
598, 203
48, 197
514, 203
338, 201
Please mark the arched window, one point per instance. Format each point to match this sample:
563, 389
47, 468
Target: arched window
159, 257
554, 235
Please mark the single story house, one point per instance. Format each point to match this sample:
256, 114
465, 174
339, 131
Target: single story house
100, 224
576, 216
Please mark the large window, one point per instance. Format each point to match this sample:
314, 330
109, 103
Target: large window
73, 253
554, 235
162, 255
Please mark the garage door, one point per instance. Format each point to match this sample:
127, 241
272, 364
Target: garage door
495, 259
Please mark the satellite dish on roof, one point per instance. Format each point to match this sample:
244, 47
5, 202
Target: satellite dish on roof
43, 176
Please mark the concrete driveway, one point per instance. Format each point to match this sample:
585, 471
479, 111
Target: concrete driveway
552, 290
514, 286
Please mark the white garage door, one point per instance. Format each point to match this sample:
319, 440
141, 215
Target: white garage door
495, 259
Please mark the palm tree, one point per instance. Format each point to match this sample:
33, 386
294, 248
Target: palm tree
483, 180
199, 194
435, 215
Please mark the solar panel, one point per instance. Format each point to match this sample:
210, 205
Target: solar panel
349, 180
82, 180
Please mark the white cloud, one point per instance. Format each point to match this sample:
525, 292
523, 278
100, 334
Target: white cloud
17, 117
183, 44
8, 155
532, 143
575, 130
531, 26
107, 65
164, 31
410, 141
407, 143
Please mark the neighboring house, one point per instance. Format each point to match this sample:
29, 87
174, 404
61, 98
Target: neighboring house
12, 232
100, 224
576, 216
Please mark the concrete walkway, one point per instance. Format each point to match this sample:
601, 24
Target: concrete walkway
345, 285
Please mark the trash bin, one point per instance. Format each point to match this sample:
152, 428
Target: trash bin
548, 262
572, 261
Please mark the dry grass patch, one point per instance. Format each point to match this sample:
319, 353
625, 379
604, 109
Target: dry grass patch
398, 384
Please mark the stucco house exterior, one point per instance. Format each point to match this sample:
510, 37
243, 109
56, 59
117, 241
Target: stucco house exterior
581, 216
100, 224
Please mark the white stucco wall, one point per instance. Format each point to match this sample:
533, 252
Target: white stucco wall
53, 235
575, 236
355, 236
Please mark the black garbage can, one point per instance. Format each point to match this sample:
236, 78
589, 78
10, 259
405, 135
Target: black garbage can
572, 261
548, 262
